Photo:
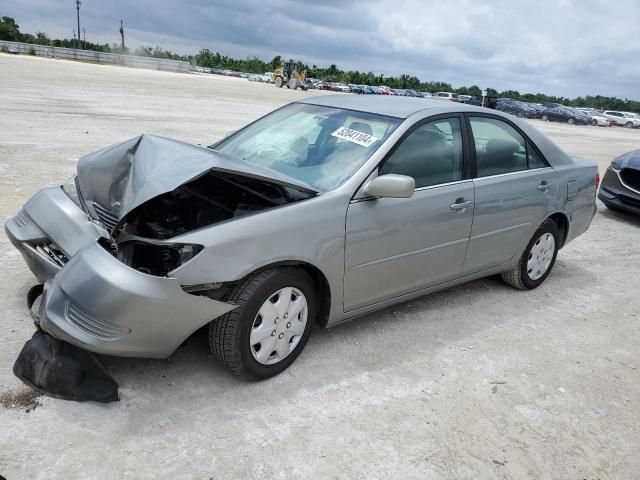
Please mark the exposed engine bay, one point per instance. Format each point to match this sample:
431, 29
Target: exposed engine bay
139, 239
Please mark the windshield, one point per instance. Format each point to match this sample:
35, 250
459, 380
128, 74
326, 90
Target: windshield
320, 146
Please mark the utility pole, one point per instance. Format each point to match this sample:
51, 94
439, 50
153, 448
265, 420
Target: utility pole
122, 35
78, 9
84, 39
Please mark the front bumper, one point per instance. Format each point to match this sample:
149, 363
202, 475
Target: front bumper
613, 193
91, 299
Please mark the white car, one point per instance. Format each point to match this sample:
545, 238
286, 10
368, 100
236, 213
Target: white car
633, 115
445, 96
621, 118
597, 118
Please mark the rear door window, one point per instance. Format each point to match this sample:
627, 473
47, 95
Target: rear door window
500, 148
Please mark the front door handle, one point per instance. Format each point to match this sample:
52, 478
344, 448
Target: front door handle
461, 205
544, 186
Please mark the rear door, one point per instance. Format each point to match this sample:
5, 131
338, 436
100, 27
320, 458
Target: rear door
514, 190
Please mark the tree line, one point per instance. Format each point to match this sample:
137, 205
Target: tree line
9, 30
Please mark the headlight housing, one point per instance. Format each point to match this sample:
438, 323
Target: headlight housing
153, 257
70, 187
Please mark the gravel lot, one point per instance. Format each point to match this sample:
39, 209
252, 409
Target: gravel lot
480, 381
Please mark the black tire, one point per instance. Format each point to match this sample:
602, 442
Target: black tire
519, 114
229, 335
628, 125
571, 121
594, 123
279, 82
544, 118
518, 277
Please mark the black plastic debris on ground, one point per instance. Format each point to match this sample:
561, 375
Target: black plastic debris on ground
61, 370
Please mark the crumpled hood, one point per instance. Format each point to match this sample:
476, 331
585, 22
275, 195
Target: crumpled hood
629, 160
124, 176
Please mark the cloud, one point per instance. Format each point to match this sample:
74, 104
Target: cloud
561, 47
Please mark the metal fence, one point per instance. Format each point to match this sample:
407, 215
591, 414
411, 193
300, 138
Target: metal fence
96, 57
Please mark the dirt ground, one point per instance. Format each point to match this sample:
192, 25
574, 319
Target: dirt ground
481, 381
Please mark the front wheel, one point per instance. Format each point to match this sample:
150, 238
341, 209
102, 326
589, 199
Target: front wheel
537, 260
294, 83
628, 125
594, 123
544, 118
279, 82
571, 121
269, 327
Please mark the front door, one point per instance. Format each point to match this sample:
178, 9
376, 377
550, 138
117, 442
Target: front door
400, 245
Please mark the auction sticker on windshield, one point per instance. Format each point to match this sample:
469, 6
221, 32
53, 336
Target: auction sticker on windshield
360, 138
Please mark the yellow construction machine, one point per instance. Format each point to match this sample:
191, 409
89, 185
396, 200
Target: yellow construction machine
290, 76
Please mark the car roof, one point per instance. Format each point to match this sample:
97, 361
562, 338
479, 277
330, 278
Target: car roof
392, 106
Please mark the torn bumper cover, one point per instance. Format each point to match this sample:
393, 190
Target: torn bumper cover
91, 299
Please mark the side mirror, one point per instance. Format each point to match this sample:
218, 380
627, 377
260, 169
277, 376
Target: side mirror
390, 186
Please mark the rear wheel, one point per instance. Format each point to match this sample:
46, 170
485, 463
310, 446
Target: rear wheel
520, 114
594, 123
571, 121
537, 260
544, 118
279, 82
269, 327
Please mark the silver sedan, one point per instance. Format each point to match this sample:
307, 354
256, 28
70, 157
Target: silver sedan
319, 212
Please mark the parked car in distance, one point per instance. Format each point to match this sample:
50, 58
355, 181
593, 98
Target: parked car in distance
632, 115
621, 119
515, 107
464, 98
13, 50
620, 189
565, 114
277, 227
537, 109
446, 96
597, 119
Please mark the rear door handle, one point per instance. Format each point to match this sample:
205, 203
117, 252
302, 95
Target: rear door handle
461, 204
544, 186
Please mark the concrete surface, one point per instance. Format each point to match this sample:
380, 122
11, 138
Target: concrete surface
481, 381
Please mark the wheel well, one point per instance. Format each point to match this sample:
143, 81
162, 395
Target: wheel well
563, 226
322, 285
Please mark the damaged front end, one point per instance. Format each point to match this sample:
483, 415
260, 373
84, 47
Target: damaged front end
102, 244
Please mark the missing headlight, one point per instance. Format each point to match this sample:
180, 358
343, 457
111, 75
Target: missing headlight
153, 258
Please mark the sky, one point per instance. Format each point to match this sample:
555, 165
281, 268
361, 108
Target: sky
558, 47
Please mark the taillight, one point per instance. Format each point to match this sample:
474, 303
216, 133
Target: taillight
597, 180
